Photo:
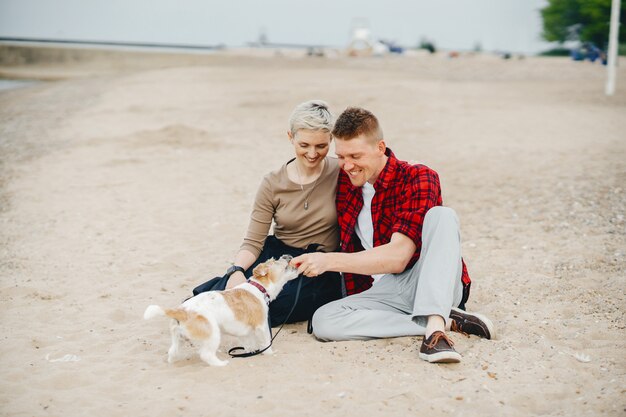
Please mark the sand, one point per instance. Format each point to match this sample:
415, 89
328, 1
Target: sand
129, 179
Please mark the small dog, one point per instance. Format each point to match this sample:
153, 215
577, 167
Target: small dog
241, 312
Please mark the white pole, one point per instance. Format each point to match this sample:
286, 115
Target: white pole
612, 52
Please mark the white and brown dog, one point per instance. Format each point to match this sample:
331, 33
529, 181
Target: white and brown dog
240, 312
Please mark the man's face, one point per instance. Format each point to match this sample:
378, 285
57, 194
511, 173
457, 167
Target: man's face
361, 158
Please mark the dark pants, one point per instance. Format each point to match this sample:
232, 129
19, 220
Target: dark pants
314, 292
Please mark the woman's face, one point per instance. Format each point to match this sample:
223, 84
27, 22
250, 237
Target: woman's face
311, 146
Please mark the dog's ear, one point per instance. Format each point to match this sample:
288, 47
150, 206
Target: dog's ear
260, 271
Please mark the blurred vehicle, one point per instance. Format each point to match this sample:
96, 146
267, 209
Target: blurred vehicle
588, 51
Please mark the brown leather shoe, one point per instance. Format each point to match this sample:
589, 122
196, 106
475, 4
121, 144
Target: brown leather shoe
471, 323
438, 349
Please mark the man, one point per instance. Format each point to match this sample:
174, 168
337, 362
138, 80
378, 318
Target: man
394, 229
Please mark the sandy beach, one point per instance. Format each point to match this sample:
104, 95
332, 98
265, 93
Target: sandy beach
126, 179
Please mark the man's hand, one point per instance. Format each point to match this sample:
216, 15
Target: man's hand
235, 279
311, 264
390, 258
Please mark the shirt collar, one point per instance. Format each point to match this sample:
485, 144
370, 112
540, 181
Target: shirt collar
388, 171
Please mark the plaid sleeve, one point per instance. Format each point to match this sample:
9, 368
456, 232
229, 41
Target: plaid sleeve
347, 210
421, 192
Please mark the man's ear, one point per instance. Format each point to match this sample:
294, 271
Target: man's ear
382, 147
290, 135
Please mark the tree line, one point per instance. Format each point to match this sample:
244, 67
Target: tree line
581, 20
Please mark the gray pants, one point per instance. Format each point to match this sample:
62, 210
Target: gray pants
399, 304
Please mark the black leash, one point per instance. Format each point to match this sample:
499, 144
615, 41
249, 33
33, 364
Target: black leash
257, 352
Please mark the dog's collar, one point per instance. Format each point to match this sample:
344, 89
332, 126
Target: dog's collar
262, 289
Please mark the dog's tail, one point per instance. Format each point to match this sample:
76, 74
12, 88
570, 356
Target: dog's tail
196, 326
153, 311
177, 314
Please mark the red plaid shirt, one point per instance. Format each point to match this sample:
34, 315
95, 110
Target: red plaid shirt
404, 193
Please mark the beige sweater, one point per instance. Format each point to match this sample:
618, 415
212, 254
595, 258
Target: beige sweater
282, 200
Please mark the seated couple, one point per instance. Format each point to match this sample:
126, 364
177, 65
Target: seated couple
378, 254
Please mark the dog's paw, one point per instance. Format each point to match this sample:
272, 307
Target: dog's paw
217, 362
173, 354
212, 359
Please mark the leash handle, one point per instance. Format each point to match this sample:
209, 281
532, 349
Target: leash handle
246, 354
257, 352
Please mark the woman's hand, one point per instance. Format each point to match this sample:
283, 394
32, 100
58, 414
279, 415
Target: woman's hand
235, 279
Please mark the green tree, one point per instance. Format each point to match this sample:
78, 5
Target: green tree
584, 20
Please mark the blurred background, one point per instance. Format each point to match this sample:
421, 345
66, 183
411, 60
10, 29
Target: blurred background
509, 26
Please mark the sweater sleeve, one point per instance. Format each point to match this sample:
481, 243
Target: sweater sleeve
260, 219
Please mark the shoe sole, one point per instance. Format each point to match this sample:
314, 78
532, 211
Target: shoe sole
484, 319
441, 357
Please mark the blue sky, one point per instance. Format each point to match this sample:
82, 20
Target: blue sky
512, 25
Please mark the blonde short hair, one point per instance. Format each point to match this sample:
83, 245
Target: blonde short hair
312, 115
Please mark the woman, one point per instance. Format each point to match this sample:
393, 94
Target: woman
299, 198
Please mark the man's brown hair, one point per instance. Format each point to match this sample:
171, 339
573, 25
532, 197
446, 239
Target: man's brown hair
355, 121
